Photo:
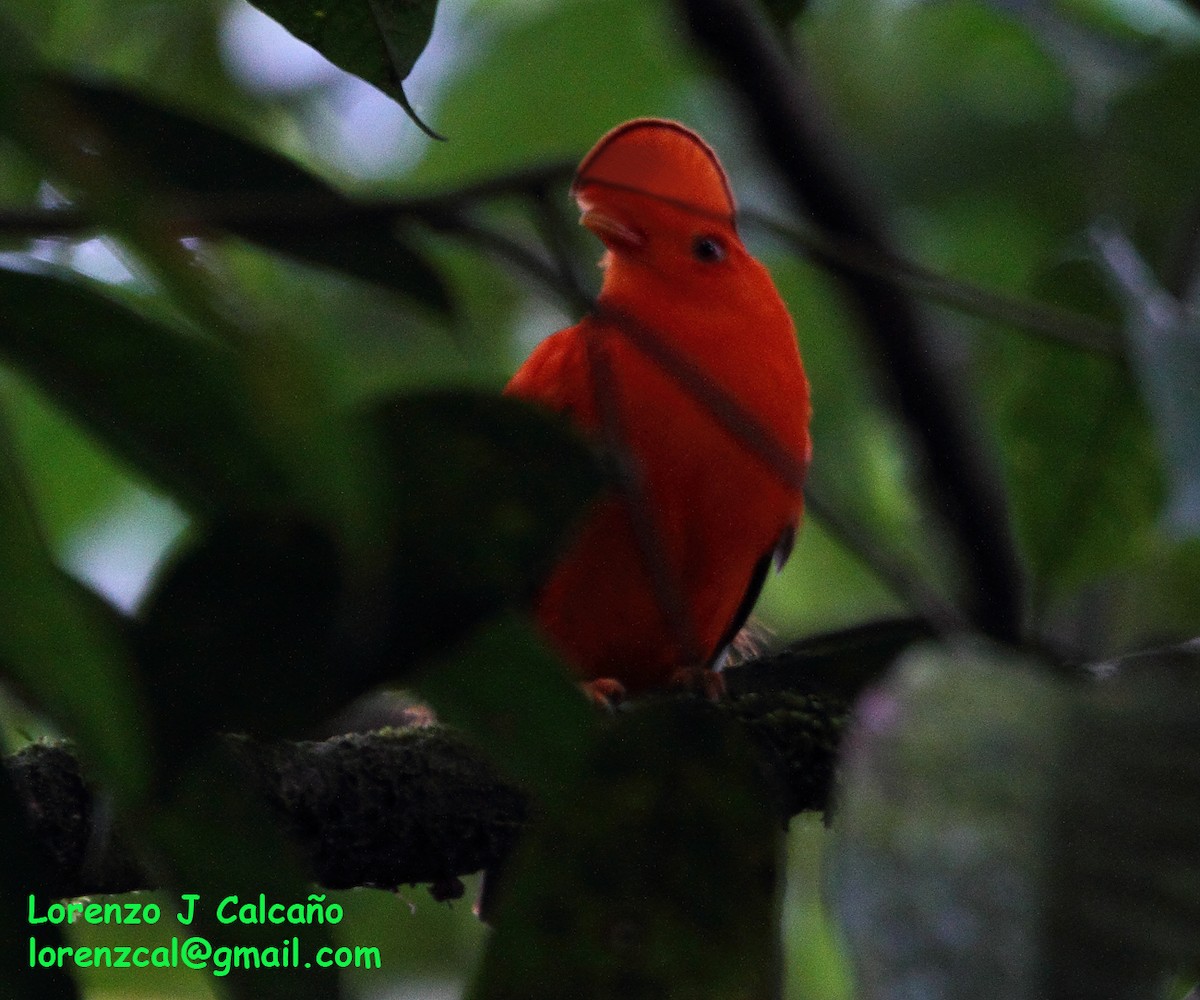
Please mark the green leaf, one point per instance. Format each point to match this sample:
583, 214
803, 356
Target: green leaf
301, 216
519, 703
63, 646
1000, 825
260, 627
1084, 477
378, 40
486, 488
656, 877
222, 840
74, 481
171, 405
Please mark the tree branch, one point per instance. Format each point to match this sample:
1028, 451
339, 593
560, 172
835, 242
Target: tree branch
420, 805
1062, 325
965, 490
276, 213
888, 567
283, 215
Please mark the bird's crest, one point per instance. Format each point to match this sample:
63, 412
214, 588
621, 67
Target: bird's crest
661, 159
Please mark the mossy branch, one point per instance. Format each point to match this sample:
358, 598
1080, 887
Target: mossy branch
401, 806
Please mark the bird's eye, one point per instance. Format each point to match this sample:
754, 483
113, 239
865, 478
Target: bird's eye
708, 249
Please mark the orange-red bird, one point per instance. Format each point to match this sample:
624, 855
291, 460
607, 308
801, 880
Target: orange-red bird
687, 374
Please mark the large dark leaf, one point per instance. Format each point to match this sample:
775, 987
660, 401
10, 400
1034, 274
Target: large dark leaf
63, 647
655, 877
221, 840
378, 40
485, 488
263, 196
509, 693
241, 634
171, 405
1000, 826
261, 627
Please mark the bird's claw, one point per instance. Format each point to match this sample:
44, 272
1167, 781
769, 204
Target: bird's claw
605, 692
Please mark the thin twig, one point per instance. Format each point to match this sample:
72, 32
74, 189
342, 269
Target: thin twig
631, 482
516, 253
1063, 325
724, 407
885, 564
557, 239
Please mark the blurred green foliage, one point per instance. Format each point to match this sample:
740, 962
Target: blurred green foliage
316, 406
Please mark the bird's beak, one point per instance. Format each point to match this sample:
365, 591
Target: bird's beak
615, 235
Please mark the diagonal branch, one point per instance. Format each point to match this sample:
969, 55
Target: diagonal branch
631, 484
1061, 325
728, 411
964, 488
887, 565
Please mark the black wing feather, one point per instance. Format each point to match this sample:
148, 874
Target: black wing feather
778, 553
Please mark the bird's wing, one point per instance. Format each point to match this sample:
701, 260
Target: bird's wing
777, 554
556, 375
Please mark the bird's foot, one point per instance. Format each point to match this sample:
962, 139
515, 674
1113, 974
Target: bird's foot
605, 692
699, 680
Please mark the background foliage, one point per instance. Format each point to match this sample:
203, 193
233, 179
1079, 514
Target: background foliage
252, 321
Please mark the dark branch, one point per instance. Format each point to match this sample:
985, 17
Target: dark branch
415, 805
266, 213
887, 565
1062, 325
506, 248
965, 490
267, 216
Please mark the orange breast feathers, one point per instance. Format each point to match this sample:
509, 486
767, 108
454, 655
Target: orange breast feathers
687, 375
